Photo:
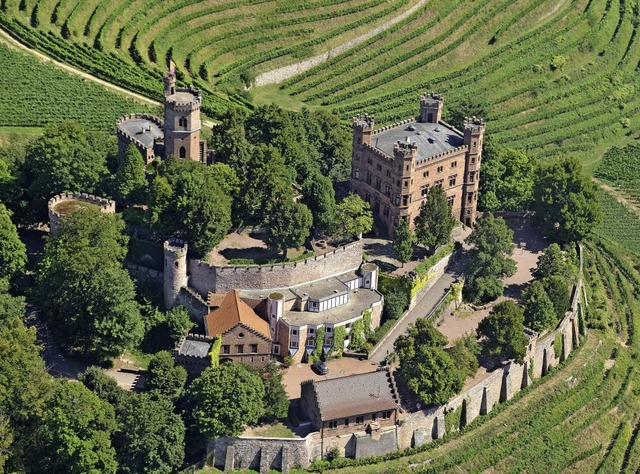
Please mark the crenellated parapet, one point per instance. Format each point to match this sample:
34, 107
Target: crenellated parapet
64, 204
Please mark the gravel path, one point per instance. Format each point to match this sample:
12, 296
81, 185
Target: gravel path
278, 75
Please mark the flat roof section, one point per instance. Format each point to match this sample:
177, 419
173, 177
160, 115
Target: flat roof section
194, 348
143, 130
359, 301
321, 290
182, 97
432, 139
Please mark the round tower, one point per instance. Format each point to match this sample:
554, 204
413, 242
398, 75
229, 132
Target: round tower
175, 270
370, 276
181, 120
275, 309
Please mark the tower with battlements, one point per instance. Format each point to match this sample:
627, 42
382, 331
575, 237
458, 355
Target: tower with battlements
182, 120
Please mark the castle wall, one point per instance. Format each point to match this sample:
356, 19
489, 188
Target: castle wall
193, 303
148, 153
205, 278
107, 206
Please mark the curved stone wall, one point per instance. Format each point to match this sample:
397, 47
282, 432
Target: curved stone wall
106, 205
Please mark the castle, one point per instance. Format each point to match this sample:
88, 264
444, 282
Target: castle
284, 305
177, 135
394, 167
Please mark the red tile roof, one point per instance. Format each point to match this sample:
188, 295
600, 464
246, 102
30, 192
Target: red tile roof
234, 311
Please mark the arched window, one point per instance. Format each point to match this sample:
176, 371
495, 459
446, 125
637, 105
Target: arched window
183, 152
182, 122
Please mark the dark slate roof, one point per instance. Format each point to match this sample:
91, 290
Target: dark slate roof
194, 348
354, 395
142, 129
432, 139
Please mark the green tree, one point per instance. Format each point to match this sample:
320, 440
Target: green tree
91, 299
538, 308
403, 240
353, 216
356, 335
557, 288
105, 387
566, 201
464, 356
75, 433
131, 181
13, 253
225, 399
507, 179
435, 222
430, 372
503, 331
288, 225
63, 159
150, 437
276, 402
552, 262
320, 198
489, 260
164, 377
189, 204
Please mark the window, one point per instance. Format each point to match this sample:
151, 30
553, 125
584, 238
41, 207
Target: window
241, 335
346, 422
254, 348
369, 160
329, 329
424, 190
470, 197
386, 415
333, 424
294, 332
472, 176
407, 167
387, 189
406, 183
182, 122
276, 349
356, 173
293, 345
312, 331
368, 177
438, 183
388, 173
450, 200
311, 341
452, 180
386, 211
183, 152
226, 349
239, 348
379, 167
439, 170
397, 200
359, 420
367, 197
454, 164
473, 159
378, 184
358, 156
425, 174
405, 200
374, 417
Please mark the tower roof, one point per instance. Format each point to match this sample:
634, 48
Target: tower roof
234, 311
431, 138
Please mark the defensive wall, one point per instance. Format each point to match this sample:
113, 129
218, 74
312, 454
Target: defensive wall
205, 278
124, 138
424, 426
106, 205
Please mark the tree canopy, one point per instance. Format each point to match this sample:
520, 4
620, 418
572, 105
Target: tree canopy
489, 260
503, 330
164, 377
288, 225
65, 158
131, 181
435, 222
566, 201
429, 370
150, 436
75, 433
13, 253
90, 298
353, 216
188, 202
507, 179
226, 398
539, 313
403, 240
276, 402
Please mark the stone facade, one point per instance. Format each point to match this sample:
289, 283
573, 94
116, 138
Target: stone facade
241, 344
107, 206
395, 176
149, 149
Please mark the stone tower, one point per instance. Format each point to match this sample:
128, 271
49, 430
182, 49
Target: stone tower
431, 108
175, 270
473, 135
362, 129
181, 120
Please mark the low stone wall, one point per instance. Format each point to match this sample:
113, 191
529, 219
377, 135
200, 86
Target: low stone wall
435, 273
205, 278
144, 273
107, 206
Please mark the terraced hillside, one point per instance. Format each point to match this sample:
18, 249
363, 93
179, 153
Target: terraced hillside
551, 76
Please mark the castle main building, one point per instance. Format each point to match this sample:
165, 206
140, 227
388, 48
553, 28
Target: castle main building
178, 134
394, 167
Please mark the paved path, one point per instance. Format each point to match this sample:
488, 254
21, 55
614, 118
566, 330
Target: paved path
421, 309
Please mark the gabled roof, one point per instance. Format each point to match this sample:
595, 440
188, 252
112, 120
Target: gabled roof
355, 395
234, 311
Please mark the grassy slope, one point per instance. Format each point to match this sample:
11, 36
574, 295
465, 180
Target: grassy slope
39, 93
